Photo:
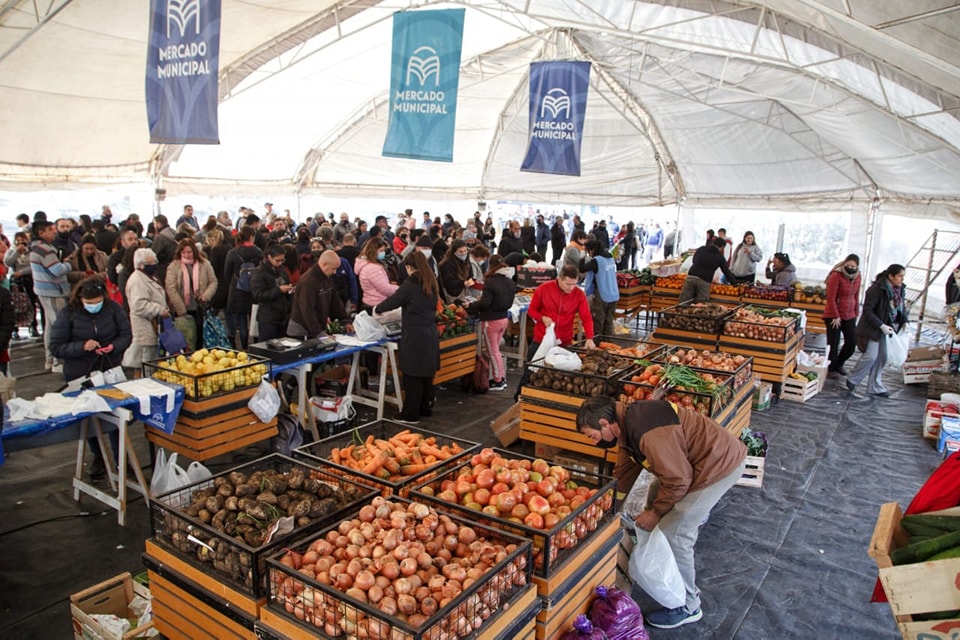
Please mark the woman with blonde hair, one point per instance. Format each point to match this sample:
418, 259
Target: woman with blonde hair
190, 284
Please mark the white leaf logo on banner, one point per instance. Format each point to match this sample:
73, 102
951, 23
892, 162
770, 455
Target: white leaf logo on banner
424, 67
181, 12
555, 104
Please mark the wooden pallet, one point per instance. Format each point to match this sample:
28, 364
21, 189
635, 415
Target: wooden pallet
235, 599
550, 418
690, 339
504, 624
921, 587
562, 600
213, 436
185, 609
458, 357
772, 361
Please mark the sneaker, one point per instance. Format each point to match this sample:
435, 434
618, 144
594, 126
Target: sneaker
672, 618
57, 368
842, 371
833, 375
402, 420
881, 394
850, 388
498, 386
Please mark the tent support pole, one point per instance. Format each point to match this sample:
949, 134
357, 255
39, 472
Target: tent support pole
926, 285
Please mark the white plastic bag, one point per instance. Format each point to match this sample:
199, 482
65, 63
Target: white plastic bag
167, 474
560, 358
368, 329
198, 473
549, 341
332, 409
265, 403
898, 346
654, 569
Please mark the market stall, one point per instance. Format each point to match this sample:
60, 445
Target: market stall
771, 336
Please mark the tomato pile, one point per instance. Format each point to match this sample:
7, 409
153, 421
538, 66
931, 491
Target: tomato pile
452, 320
703, 394
532, 493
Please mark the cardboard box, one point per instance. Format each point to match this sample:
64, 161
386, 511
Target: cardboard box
934, 413
545, 451
506, 426
110, 597
333, 382
921, 362
578, 462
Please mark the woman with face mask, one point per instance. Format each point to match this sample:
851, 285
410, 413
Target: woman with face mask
884, 314
148, 303
190, 284
455, 274
375, 285
91, 333
841, 311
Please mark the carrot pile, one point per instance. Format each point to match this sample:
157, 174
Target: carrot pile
402, 455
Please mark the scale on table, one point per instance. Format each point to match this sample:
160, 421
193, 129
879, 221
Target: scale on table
287, 350
393, 328
522, 300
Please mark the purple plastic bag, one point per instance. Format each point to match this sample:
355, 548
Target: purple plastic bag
583, 629
615, 612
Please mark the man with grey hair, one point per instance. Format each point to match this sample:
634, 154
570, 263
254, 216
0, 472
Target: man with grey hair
316, 299
343, 227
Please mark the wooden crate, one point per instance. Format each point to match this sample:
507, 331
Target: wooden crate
202, 439
736, 414
183, 609
753, 474
799, 390
234, 599
912, 589
512, 621
663, 297
772, 361
550, 418
458, 357
570, 591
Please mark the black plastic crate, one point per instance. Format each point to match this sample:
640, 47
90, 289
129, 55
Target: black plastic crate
768, 292
696, 317
705, 360
582, 384
203, 384
322, 453
234, 560
767, 324
634, 389
301, 599
550, 546
622, 347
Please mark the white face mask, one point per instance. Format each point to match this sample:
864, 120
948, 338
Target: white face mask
426, 253
469, 235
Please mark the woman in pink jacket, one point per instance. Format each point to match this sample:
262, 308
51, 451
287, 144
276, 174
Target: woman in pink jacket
840, 313
372, 275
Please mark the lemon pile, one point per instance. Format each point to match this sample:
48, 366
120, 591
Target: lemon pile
206, 372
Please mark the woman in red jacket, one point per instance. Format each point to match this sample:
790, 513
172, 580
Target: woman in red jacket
841, 311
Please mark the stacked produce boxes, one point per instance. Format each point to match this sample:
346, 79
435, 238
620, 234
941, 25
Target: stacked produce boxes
693, 324
771, 336
666, 292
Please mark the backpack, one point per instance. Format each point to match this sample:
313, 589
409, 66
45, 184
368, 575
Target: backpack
215, 333
244, 275
289, 434
479, 380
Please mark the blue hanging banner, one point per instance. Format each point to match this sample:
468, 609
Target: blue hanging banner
424, 78
183, 59
558, 104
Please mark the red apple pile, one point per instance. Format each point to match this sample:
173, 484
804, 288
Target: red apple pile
532, 493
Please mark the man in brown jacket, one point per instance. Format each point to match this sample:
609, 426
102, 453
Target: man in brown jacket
695, 461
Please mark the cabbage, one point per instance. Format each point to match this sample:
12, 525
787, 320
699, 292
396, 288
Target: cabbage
615, 612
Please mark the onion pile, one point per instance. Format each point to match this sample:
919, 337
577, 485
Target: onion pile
748, 322
407, 562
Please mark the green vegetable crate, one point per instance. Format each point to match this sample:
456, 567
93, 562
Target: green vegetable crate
924, 595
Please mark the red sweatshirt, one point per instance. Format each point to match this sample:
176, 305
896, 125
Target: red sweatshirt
548, 300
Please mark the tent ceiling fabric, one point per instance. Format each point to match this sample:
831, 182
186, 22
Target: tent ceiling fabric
780, 100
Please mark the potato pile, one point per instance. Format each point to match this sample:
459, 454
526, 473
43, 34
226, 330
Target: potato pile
589, 382
243, 507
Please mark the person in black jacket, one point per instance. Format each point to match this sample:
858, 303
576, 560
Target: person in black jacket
558, 239
542, 236
271, 290
510, 241
419, 353
491, 309
91, 334
528, 237
239, 298
884, 314
706, 261
455, 274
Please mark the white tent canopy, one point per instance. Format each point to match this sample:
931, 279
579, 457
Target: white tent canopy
793, 104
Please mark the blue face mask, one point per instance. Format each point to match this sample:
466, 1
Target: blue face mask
381, 255
93, 308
